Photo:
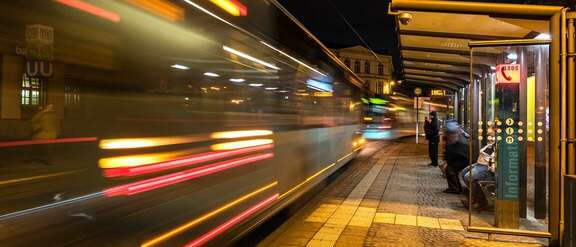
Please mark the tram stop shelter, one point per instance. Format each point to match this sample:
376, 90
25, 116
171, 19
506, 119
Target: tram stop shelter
512, 75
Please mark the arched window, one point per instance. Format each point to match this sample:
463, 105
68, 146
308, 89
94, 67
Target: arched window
367, 67
380, 69
347, 62
357, 66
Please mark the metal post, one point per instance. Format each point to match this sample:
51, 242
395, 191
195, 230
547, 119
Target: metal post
417, 120
540, 134
523, 61
571, 105
555, 125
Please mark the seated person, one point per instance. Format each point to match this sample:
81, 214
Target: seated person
482, 170
456, 156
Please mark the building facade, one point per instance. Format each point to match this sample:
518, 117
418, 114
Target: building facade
376, 73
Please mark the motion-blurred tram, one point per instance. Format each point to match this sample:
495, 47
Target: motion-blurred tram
163, 123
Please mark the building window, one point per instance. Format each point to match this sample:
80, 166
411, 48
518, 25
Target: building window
347, 62
71, 94
31, 94
367, 67
357, 67
380, 69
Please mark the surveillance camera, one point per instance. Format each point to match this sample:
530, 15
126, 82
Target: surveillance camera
405, 18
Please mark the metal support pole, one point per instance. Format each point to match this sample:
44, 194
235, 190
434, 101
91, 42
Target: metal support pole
523, 61
555, 125
571, 105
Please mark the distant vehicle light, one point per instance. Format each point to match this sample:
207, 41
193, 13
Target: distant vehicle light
237, 80
233, 7
210, 74
179, 66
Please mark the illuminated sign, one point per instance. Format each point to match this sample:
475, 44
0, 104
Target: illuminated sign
508, 73
320, 86
437, 92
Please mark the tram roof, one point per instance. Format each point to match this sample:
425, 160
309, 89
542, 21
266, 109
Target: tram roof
434, 44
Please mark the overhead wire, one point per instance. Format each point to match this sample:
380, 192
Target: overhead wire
354, 30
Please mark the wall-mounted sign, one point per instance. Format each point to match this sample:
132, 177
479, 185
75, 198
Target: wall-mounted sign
508, 73
437, 92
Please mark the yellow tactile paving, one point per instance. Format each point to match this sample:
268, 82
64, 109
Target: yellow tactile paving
384, 218
322, 213
407, 220
428, 222
448, 224
363, 217
342, 216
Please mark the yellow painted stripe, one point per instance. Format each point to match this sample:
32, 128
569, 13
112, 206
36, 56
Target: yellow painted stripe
19, 180
164, 236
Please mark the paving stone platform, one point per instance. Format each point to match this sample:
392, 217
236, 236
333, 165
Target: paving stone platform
387, 197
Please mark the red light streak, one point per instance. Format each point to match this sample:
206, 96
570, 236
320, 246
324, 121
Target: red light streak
231, 222
174, 178
91, 9
185, 161
46, 141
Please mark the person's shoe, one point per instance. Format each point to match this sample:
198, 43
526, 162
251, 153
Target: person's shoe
451, 191
434, 165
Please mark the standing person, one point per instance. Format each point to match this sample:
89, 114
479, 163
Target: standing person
456, 156
433, 138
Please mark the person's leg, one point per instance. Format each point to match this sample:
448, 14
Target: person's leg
434, 153
464, 175
430, 151
480, 173
453, 181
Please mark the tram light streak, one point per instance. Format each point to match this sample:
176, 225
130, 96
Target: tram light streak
178, 177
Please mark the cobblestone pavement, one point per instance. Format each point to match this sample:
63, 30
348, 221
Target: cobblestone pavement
388, 197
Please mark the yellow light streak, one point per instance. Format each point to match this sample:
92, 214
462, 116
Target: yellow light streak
161, 8
19, 180
239, 134
137, 160
164, 236
127, 143
241, 144
227, 6
368, 118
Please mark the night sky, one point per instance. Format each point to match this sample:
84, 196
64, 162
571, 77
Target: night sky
368, 17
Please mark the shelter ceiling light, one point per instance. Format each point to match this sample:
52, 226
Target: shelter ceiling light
210, 74
543, 36
237, 80
255, 84
512, 56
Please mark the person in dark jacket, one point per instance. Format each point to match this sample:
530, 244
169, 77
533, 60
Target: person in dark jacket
456, 156
433, 138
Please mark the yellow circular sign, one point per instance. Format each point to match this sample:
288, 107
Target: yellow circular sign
509, 140
509, 121
509, 131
